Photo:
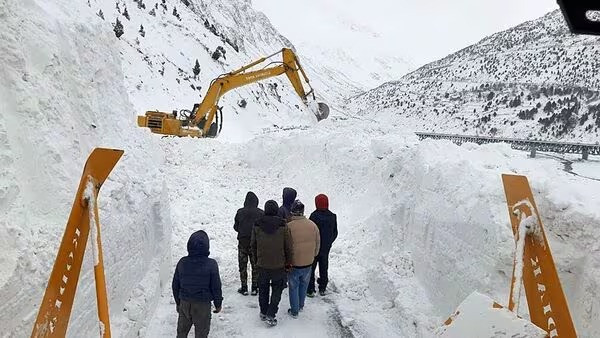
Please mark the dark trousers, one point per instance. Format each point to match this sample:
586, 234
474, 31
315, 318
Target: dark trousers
271, 283
323, 261
193, 313
243, 258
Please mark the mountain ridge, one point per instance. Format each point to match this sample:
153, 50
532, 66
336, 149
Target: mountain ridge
535, 80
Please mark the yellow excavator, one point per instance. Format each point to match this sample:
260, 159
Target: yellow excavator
203, 120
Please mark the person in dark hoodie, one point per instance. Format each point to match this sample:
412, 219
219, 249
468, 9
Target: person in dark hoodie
196, 283
326, 221
289, 196
271, 246
245, 218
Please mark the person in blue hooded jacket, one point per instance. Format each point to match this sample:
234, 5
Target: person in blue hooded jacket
196, 283
289, 196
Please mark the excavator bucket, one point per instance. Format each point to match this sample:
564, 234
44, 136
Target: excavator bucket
55, 309
323, 111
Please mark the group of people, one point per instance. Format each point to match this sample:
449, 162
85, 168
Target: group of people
283, 247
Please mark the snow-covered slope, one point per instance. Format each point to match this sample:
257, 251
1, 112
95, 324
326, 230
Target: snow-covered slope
535, 80
158, 66
62, 94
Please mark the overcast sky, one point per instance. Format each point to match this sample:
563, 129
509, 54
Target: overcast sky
419, 30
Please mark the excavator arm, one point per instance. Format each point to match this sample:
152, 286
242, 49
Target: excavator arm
202, 120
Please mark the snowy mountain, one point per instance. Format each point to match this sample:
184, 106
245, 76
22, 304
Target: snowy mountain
535, 80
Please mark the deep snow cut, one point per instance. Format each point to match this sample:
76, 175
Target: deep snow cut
422, 225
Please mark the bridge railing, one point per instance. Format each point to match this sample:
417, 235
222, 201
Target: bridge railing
520, 144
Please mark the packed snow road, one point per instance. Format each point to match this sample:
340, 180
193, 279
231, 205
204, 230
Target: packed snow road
422, 225
207, 186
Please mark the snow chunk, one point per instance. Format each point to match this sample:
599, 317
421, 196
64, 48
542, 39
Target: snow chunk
479, 316
525, 226
90, 196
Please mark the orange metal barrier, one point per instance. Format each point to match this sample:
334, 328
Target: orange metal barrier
548, 307
55, 309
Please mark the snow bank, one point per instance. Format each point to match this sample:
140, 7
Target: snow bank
61, 95
424, 224
478, 317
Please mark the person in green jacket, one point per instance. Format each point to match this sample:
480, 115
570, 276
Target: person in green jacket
271, 248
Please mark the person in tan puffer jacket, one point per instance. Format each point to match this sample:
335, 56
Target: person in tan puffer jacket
305, 247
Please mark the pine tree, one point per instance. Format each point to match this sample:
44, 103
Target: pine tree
196, 69
141, 31
118, 28
126, 14
101, 15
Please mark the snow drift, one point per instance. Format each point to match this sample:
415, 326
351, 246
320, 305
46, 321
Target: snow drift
62, 94
478, 316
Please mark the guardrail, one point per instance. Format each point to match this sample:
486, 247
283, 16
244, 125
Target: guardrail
520, 144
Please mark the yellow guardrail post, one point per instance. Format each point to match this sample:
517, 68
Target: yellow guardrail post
55, 309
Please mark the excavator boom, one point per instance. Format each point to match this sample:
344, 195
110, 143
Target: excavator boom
203, 120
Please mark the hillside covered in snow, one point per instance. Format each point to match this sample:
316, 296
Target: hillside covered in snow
535, 80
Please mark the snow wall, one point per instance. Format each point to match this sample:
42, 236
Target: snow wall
61, 95
422, 225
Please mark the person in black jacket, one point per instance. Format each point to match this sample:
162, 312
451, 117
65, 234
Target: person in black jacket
326, 221
196, 283
289, 196
245, 218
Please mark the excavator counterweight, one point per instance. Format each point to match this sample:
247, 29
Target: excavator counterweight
206, 118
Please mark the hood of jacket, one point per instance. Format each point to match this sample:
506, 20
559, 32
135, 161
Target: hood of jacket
270, 222
289, 196
271, 208
322, 202
198, 244
251, 200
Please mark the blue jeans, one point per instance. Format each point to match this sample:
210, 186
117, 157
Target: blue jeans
298, 284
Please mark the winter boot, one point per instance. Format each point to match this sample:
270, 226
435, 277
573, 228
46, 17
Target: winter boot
310, 294
292, 314
263, 317
271, 321
243, 290
322, 293
254, 291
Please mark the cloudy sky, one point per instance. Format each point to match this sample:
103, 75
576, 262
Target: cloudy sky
418, 30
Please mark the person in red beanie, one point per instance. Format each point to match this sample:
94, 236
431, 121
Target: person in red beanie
326, 221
